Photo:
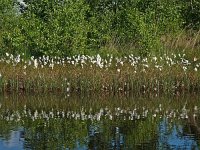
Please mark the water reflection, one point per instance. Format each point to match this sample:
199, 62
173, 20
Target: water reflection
14, 142
169, 136
26, 124
175, 138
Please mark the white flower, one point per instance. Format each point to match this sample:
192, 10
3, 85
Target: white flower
118, 70
155, 58
51, 66
184, 68
145, 65
35, 63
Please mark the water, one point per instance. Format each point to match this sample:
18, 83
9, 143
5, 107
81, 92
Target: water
60, 122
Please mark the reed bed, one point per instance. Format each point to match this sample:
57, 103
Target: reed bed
173, 74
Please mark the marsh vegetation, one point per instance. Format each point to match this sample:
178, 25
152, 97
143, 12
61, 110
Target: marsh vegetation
103, 74
169, 74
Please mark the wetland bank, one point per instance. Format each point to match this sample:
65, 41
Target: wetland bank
90, 102
173, 74
114, 74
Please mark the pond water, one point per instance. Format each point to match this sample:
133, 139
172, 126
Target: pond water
99, 122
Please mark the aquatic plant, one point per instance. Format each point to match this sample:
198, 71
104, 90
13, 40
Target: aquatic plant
173, 74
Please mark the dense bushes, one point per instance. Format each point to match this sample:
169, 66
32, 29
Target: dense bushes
191, 13
88, 27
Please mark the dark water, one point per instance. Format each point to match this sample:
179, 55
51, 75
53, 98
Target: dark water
59, 122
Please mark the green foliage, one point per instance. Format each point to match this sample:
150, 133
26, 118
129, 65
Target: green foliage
6, 20
191, 13
63, 28
50, 28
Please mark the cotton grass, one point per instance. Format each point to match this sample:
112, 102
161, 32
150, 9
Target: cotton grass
174, 74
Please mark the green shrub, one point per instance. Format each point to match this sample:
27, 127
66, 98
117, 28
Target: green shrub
63, 28
191, 14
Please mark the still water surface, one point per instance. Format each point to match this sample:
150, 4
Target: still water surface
59, 122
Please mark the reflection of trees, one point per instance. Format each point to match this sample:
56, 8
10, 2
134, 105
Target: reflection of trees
6, 127
122, 134
64, 133
60, 133
96, 139
57, 134
192, 127
144, 134
172, 135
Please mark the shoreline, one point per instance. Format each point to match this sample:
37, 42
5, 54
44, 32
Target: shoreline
173, 74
